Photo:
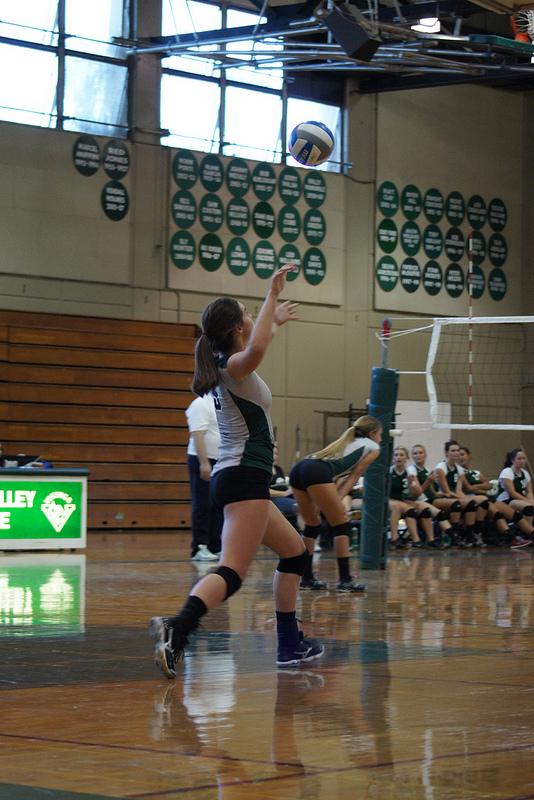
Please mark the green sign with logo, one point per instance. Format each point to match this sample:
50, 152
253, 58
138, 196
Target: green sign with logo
411, 202
211, 212
387, 199
497, 249
497, 284
86, 155
44, 511
238, 216
116, 159
454, 280
476, 212
387, 235
455, 209
264, 259
211, 173
185, 169
410, 238
263, 220
432, 278
314, 266
387, 273
434, 205
182, 249
184, 209
289, 223
314, 227
477, 244
497, 214
476, 282
263, 181
115, 200
238, 177
289, 254
410, 275
454, 244
432, 241
289, 186
238, 256
314, 189
211, 252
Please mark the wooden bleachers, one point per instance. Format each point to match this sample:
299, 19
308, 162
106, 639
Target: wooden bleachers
105, 394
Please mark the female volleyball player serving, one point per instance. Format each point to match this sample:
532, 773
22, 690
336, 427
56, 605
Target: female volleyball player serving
227, 354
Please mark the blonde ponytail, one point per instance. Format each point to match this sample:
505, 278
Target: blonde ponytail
360, 429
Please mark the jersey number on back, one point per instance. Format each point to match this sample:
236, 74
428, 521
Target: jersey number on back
216, 400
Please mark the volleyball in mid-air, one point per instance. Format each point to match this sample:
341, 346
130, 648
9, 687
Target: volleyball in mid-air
311, 143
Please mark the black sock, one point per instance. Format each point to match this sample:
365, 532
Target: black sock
287, 629
308, 569
343, 567
188, 618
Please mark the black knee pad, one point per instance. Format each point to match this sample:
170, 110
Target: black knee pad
528, 511
425, 513
484, 504
294, 565
455, 508
231, 578
410, 514
341, 530
312, 531
471, 506
498, 515
442, 516
518, 515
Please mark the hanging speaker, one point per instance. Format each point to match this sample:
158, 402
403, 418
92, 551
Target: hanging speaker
354, 40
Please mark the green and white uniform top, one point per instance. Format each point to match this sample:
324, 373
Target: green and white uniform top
452, 475
520, 480
243, 411
352, 455
398, 486
421, 473
472, 476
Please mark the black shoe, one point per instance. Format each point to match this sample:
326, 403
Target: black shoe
306, 650
433, 545
168, 645
313, 583
350, 586
418, 545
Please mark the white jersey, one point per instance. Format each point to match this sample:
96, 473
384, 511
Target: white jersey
452, 474
411, 469
521, 483
201, 417
353, 453
243, 410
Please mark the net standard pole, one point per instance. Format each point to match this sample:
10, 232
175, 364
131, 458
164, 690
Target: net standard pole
383, 398
470, 328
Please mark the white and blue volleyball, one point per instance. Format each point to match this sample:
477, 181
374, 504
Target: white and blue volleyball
311, 143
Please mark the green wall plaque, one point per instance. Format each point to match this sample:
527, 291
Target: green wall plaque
116, 159
314, 266
411, 201
264, 259
476, 282
455, 209
290, 254
387, 199
238, 256
497, 284
497, 249
434, 205
314, 227
211, 252
314, 189
387, 235
184, 209
182, 249
263, 220
49, 509
115, 200
410, 275
238, 177
289, 223
211, 173
410, 237
86, 155
387, 273
263, 181
289, 185
478, 247
432, 278
454, 280
238, 216
432, 241
476, 212
497, 214
211, 212
454, 244
185, 169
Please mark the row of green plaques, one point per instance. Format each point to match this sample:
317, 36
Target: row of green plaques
239, 257
238, 217
434, 241
239, 178
431, 277
434, 205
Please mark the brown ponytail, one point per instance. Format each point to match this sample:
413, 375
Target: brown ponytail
218, 322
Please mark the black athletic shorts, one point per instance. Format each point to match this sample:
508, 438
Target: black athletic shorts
310, 472
234, 484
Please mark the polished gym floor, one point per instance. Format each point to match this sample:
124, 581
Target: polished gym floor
425, 692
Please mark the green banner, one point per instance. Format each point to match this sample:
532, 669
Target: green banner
387, 199
289, 223
115, 200
185, 169
432, 241
264, 259
478, 247
211, 252
387, 235
182, 249
116, 159
410, 275
211, 212
454, 280
289, 186
455, 209
40, 509
289, 254
497, 250
410, 237
432, 278
434, 205
314, 227
476, 212
86, 155
238, 216
238, 177
411, 202
387, 273
314, 266
476, 282
314, 189
184, 209
211, 173
263, 220
263, 181
497, 284
238, 256
497, 214
454, 244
